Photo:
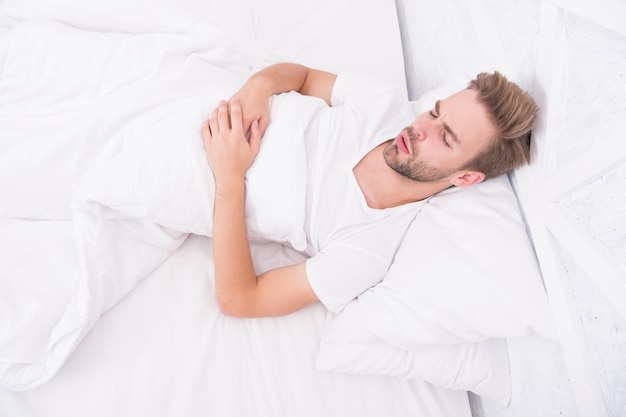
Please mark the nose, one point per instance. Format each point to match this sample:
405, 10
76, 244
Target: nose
419, 131
425, 129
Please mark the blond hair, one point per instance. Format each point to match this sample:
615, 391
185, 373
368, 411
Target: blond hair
513, 112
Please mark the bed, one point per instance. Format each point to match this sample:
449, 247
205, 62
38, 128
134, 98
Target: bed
107, 307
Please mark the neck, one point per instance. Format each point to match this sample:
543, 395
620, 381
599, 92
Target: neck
383, 187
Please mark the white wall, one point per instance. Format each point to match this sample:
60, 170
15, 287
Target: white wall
574, 194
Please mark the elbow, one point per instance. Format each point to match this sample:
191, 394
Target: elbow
234, 307
228, 307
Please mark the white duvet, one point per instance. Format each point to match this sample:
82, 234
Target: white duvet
103, 130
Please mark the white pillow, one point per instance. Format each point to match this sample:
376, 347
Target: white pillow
465, 271
482, 368
140, 16
465, 274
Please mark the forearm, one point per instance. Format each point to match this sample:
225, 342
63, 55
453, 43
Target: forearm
285, 77
234, 270
230, 155
239, 292
280, 78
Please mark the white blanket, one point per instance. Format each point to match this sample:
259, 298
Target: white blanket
105, 131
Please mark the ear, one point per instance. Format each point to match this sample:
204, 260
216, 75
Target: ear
467, 178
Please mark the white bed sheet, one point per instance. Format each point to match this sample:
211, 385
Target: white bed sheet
165, 349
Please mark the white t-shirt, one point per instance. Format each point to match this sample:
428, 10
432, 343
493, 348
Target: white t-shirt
352, 245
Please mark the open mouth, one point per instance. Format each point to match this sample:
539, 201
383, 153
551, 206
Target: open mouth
402, 143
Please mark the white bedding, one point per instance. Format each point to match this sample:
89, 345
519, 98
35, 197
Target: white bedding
72, 99
166, 350
115, 97
107, 299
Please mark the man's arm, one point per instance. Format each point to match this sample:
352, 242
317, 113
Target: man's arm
254, 95
239, 291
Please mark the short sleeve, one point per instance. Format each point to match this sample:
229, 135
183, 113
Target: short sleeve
350, 264
341, 272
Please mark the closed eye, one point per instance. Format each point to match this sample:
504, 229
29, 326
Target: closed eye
433, 114
446, 128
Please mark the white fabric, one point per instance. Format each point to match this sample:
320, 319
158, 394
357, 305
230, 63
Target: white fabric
464, 274
140, 16
172, 184
320, 33
153, 165
6, 22
25, 317
482, 368
83, 92
167, 350
352, 244
128, 110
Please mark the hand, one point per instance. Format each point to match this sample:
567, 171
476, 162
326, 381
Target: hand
255, 105
228, 152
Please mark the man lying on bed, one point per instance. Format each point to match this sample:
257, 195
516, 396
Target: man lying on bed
364, 189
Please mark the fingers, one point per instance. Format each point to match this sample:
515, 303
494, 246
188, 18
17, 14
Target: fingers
227, 121
236, 119
255, 136
227, 116
246, 123
212, 124
205, 131
263, 124
223, 116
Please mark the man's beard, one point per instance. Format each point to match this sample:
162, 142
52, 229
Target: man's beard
412, 169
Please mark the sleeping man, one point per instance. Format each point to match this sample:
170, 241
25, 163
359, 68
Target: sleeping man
371, 166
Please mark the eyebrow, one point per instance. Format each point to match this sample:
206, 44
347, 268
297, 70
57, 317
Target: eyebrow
446, 126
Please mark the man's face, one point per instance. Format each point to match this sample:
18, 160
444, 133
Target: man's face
441, 141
